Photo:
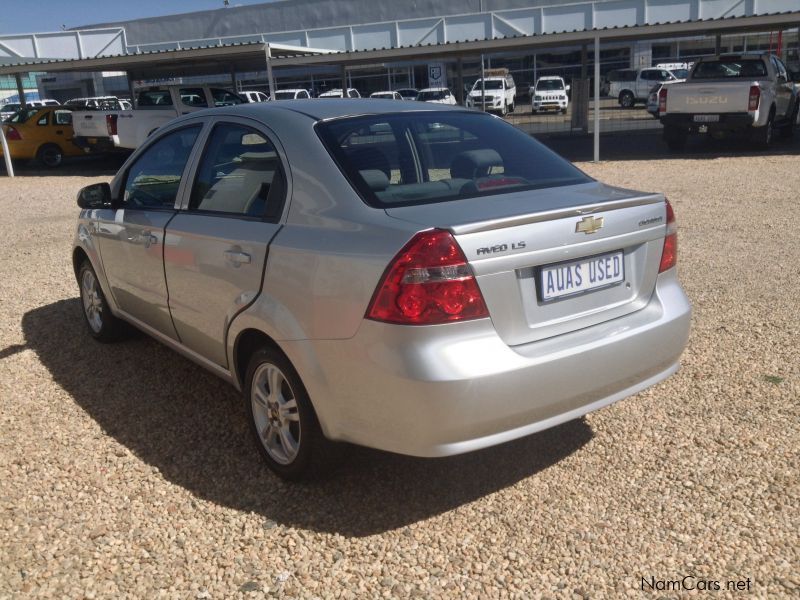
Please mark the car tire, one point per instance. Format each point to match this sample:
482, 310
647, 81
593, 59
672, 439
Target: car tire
284, 424
50, 155
762, 136
534, 111
513, 107
675, 139
102, 324
504, 109
626, 99
563, 111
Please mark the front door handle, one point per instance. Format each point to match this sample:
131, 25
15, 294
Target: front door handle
237, 258
145, 238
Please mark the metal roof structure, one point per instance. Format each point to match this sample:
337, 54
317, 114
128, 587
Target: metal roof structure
255, 56
674, 29
183, 62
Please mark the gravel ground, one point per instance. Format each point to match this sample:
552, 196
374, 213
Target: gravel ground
126, 471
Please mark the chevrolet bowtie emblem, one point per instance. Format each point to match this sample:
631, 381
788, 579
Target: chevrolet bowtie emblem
589, 225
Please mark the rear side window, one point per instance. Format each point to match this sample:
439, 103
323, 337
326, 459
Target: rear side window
62, 117
224, 97
154, 98
193, 97
239, 174
419, 158
153, 180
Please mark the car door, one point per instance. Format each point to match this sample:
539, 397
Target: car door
216, 246
131, 236
783, 88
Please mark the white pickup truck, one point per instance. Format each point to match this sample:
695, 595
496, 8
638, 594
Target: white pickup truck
126, 130
632, 86
750, 94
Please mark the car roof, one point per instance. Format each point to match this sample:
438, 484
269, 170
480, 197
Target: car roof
330, 109
551, 77
437, 89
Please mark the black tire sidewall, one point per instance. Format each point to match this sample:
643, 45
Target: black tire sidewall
310, 433
111, 327
40, 154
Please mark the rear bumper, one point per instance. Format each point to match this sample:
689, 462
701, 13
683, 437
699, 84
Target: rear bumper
728, 122
94, 144
450, 389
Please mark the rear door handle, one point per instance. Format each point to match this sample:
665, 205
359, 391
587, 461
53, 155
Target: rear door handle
237, 258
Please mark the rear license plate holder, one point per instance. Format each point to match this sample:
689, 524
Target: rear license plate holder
706, 118
581, 276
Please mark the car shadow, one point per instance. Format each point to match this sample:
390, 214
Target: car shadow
191, 426
649, 145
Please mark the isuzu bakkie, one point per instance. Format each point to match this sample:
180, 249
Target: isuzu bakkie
753, 95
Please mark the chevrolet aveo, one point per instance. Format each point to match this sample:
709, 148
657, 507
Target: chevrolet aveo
425, 280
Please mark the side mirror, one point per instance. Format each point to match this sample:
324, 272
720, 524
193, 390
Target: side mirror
97, 195
568, 87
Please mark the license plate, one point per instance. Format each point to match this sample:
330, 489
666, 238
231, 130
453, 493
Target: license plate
92, 140
706, 118
579, 276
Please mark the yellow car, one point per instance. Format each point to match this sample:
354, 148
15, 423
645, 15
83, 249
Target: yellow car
43, 133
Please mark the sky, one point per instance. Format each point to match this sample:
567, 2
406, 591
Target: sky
38, 16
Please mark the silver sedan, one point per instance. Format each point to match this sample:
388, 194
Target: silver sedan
425, 280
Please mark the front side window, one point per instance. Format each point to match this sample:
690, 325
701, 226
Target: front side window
418, 158
43, 120
239, 174
153, 180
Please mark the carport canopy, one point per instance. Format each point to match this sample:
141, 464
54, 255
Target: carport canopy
183, 62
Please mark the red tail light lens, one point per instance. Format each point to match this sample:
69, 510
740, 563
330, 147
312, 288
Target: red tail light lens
428, 282
662, 99
12, 134
669, 255
755, 98
111, 124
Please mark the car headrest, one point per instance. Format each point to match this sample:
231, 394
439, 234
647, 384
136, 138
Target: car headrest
376, 179
474, 163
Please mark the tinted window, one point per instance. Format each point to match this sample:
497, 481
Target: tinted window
490, 84
419, 158
239, 173
427, 96
155, 98
224, 97
193, 97
729, 68
153, 180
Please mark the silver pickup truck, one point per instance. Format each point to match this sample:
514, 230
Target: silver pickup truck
751, 94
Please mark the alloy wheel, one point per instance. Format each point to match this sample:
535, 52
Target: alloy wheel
275, 413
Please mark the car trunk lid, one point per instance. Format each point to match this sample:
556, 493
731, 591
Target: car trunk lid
522, 246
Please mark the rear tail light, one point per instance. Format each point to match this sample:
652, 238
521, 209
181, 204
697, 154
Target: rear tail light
662, 99
669, 255
755, 98
12, 134
428, 282
111, 124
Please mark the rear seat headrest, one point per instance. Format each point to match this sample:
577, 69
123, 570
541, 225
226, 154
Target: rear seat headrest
376, 179
474, 163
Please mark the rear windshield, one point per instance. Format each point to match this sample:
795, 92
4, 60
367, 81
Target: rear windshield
432, 95
22, 115
284, 95
730, 68
427, 157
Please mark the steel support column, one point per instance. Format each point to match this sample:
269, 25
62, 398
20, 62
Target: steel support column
270, 76
20, 90
596, 99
